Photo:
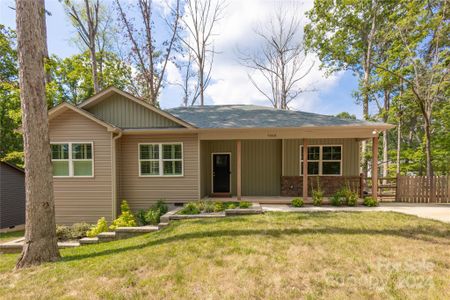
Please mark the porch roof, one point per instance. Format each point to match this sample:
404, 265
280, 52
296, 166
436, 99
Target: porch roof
252, 116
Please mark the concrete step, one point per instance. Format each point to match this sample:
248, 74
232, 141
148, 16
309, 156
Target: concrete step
162, 225
106, 236
17, 245
89, 240
62, 245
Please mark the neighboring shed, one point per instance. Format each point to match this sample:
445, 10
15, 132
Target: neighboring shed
12, 195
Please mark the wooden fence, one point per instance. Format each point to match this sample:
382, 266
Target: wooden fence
417, 189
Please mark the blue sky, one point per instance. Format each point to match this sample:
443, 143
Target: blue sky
230, 82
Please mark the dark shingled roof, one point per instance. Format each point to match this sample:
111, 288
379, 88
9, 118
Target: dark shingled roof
252, 116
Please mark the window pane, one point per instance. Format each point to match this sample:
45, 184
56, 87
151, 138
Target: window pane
172, 167
149, 152
172, 151
149, 168
313, 168
60, 151
81, 151
82, 168
313, 153
332, 153
331, 168
60, 168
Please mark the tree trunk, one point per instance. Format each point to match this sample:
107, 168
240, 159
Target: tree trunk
94, 70
40, 230
201, 82
429, 165
399, 139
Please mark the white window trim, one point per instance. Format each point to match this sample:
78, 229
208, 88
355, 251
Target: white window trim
321, 160
70, 160
161, 160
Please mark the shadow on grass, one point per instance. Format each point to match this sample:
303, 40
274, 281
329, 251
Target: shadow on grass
423, 233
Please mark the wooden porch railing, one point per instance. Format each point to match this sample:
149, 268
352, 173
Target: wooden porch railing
387, 188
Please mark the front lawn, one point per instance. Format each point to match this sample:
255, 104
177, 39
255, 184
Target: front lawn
275, 255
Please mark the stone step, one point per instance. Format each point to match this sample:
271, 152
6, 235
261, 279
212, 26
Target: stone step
89, 240
243, 211
126, 232
162, 224
68, 244
140, 229
106, 236
16, 246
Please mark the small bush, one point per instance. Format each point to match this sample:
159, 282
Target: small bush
317, 193
126, 218
244, 204
74, 232
351, 199
208, 206
317, 197
231, 206
338, 199
218, 206
190, 208
101, 226
370, 201
140, 217
297, 202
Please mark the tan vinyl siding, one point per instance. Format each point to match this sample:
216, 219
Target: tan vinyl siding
209, 147
83, 199
125, 113
350, 155
142, 192
261, 167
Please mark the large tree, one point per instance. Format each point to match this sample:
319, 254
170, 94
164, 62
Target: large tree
199, 21
40, 228
344, 35
86, 17
279, 58
149, 58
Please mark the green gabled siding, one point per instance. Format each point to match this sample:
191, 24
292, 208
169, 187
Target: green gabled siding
261, 167
125, 113
350, 155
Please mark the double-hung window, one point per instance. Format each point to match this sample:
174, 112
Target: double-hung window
72, 159
161, 159
323, 160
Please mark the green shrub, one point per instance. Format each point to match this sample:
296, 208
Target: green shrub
162, 207
370, 201
297, 202
126, 218
244, 204
351, 199
101, 226
231, 206
208, 206
317, 193
74, 232
152, 216
338, 199
218, 206
317, 197
190, 208
140, 217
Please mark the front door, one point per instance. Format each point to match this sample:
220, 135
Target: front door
221, 172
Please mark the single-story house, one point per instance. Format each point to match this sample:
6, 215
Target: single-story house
12, 196
115, 146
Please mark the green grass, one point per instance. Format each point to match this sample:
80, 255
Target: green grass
9, 236
276, 255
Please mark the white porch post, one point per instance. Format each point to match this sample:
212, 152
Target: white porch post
238, 167
375, 167
305, 169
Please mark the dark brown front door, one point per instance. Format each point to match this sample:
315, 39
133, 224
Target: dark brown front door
221, 173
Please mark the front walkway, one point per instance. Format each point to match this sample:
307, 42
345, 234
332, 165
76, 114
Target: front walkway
440, 212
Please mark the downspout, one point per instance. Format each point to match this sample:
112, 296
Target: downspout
114, 174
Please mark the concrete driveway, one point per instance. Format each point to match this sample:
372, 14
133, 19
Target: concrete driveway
439, 212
